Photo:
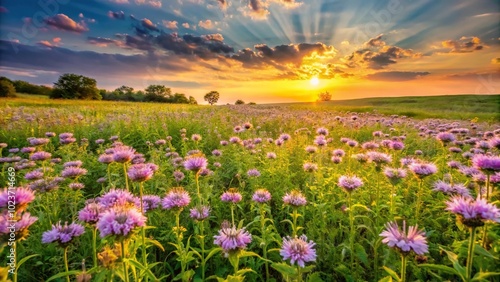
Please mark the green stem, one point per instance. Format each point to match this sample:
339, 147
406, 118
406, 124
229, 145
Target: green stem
351, 229
125, 269
485, 227
94, 245
109, 175
15, 259
232, 213
126, 176
66, 262
196, 177
263, 231
419, 192
393, 192
294, 226
299, 274
403, 268
202, 244
470, 253
143, 229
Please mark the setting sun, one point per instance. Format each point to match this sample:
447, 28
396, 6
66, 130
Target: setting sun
314, 81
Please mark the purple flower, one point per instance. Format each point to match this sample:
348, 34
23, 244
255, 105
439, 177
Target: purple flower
45, 185
196, 137
394, 174
451, 189
310, 167
178, 176
488, 164
261, 196
352, 143
76, 186
176, 198
294, 199
118, 197
38, 141
322, 131
73, 163
195, 163
120, 221
413, 240
106, 158
445, 137
20, 226
271, 155
141, 172
362, 158
216, 153
370, 145
91, 212
311, 149
150, 202
284, 137
253, 173
320, 140
336, 159
66, 138
231, 239
378, 158
472, 212
232, 195
40, 156
397, 145
298, 250
14, 150
62, 234
123, 154
421, 170
349, 183
338, 153
22, 197
28, 150
199, 213
50, 134
73, 172
33, 175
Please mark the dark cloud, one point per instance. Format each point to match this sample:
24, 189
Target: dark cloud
223, 4
377, 55
257, 9
463, 45
116, 15
103, 42
149, 25
205, 46
396, 75
63, 22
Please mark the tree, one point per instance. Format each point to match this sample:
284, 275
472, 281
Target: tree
324, 96
211, 97
7, 88
239, 102
74, 86
179, 98
158, 93
192, 101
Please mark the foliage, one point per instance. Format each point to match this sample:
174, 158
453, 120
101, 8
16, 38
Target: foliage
324, 96
239, 102
212, 97
74, 86
28, 88
7, 88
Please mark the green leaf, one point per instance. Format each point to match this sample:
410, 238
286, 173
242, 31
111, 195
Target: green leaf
314, 277
361, 253
392, 273
23, 260
456, 264
64, 274
284, 269
212, 253
480, 276
479, 250
147, 272
243, 271
439, 267
386, 279
156, 243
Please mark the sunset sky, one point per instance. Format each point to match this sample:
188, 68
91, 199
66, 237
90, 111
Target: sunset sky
258, 50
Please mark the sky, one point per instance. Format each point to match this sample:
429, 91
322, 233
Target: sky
262, 51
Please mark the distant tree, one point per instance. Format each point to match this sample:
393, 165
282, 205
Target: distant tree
192, 101
157, 93
324, 96
74, 86
239, 102
28, 88
211, 97
7, 89
179, 98
252, 103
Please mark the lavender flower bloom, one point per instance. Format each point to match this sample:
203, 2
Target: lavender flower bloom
377, 133
298, 250
279, 142
445, 137
271, 155
349, 183
73, 172
99, 141
66, 138
76, 186
294, 199
322, 131
73, 163
394, 174
488, 164
33, 175
284, 136
216, 153
370, 145
106, 158
176, 198
120, 221
362, 158
261, 196
20, 227
310, 167
224, 143
40, 156
336, 159
451, 189
253, 173
231, 239
396, 145
45, 185
495, 142
352, 143
378, 158
247, 125
320, 140
178, 176
150, 202
195, 163
421, 170
141, 172
338, 153
123, 154
50, 134
28, 150
101, 180
473, 213
406, 161
14, 150
91, 212
205, 172
232, 195
413, 240
234, 140
22, 197
39, 141
62, 234
311, 149
119, 197
199, 213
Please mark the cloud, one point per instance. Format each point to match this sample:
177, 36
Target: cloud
172, 25
290, 4
377, 55
116, 15
222, 4
104, 42
3, 9
56, 40
257, 10
185, 25
153, 3
396, 75
148, 24
463, 45
204, 47
45, 43
63, 22
207, 24
495, 61
119, 1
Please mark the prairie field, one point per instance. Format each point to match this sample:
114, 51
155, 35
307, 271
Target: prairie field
379, 189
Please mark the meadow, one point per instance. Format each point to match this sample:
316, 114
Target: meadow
382, 189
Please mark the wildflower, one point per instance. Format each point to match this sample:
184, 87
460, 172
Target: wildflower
91, 212
445, 137
234, 140
336, 159
196, 137
247, 125
199, 213
28, 150
14, 150
352, 143
216, 153
451, 189
370, 145
106, 158
421, 170
231, 239
118, 197
405, 242
21, 198
261, 196
20, 227
362, 158
311, 149
33, 175
473, 213
284, 136
310, 167
338, 153
178, 176
150, 202
378, 158
298, 250
396, 145
320, 140
62, 234
73, 163
322, 131
73, 172
394, 174
99, 141
120, 221
76, 186
294, 199
205, 172
195, 163
40, 156
50, 134
232, 195
349, 183
253, 173
177, 198
487, 164
141, 172
123, 154
271, 155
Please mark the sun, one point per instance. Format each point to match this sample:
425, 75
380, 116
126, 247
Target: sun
314, 81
